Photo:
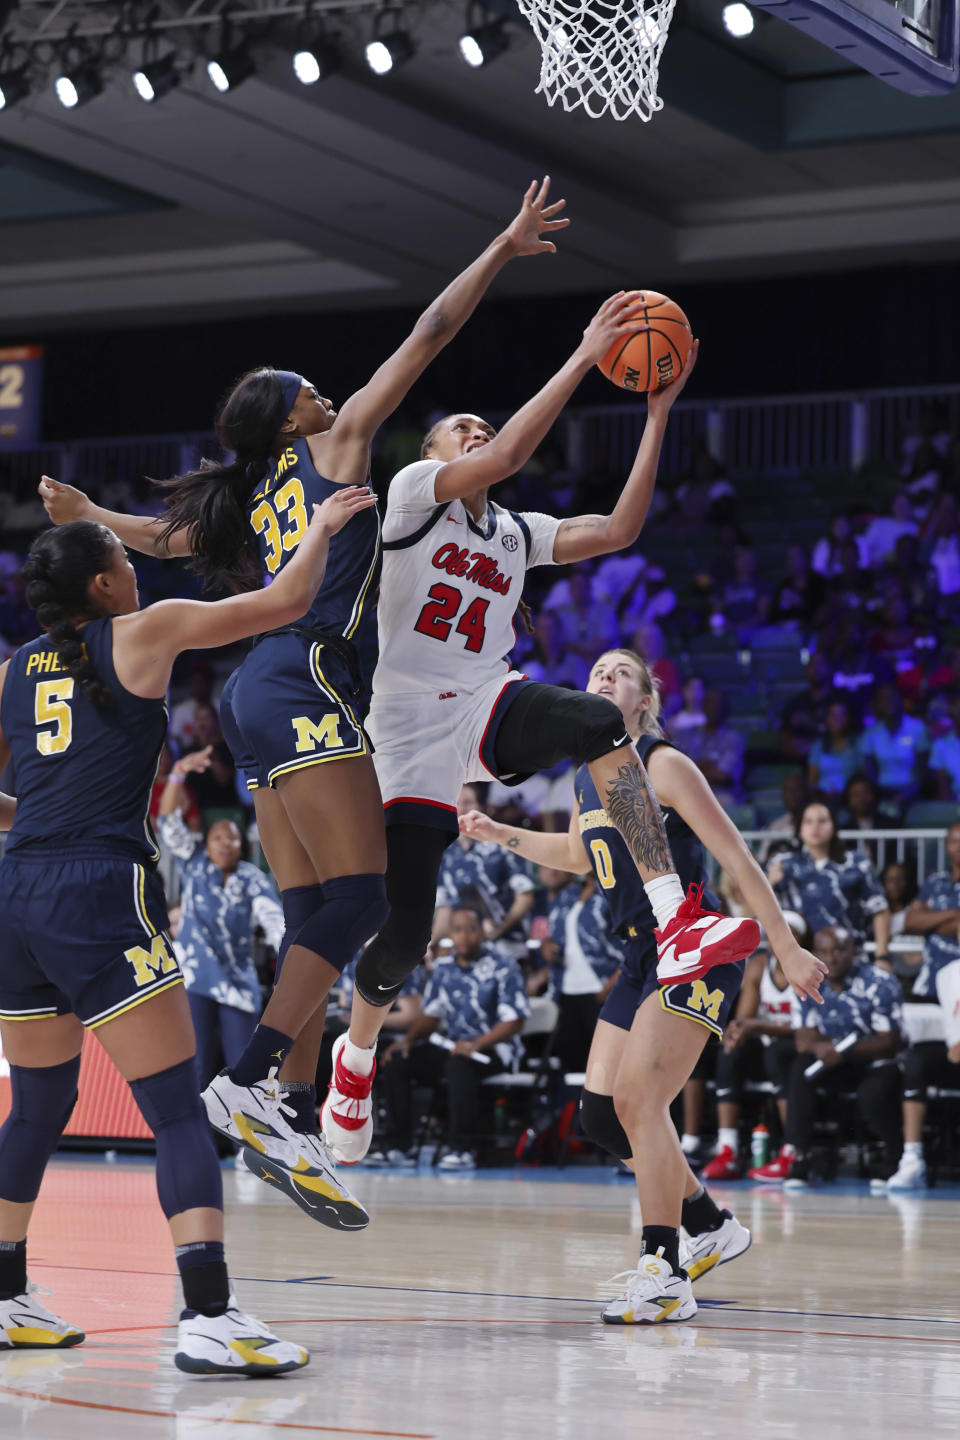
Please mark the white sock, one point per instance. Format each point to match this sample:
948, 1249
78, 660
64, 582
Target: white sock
357, 1060
727, 1137
689, 1142
915, 1148
787, 1151
665, 894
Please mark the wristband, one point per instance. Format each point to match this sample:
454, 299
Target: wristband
177, 774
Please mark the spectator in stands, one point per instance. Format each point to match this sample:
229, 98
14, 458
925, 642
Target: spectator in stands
795, 794
586, 620
648, 641
746, 599
690, 716
915, 578
653, 600
861, 811
550, 660
799, 727
478, 996
929, 1063
183, 716
894, 747
894, 638
945, 757
883, 532
224, 900
941, 535
835, 755
553, 884
494, 881
717, 749
828, 558
798, 597
584, 957
189, 809
214, 787
707, 495
618, 576
849, 585
851, 1040
935, 914
830, 886
757, 1045
900, 887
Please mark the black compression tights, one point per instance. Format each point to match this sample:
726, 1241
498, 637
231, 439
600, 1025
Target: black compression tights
414, 853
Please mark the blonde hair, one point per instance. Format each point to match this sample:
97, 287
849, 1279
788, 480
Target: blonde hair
649, 686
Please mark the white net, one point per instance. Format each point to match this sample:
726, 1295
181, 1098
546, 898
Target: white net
601, 54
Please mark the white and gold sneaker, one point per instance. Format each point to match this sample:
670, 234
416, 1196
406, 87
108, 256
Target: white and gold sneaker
700, 1253
26, 1324
653, 1293
252, 1115
233, 1344
312, 1182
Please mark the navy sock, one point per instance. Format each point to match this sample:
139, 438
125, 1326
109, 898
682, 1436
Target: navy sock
13, 1268
203, 1274
301, 1096
661, 1240
701, 1213
266, 1051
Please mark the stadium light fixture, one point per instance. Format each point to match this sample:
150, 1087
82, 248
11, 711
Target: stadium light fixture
230, 68
156, 79
14, 86
481, 44
388, 51
77, 85
738, 20
314, 60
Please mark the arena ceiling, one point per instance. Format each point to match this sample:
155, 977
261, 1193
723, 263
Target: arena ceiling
768, 158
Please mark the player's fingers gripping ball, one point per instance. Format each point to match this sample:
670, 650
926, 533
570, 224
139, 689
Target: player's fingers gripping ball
655, 351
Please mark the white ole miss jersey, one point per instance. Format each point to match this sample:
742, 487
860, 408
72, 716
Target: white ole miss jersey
450, 588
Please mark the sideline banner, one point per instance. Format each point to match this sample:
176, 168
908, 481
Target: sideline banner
21, 395
105, 1110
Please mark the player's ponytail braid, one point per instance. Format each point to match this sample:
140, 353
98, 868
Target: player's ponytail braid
57, 572
210, 503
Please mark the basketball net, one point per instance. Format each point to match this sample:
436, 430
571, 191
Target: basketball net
601, 54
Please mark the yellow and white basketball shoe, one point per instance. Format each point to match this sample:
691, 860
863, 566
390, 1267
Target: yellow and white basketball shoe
233, 1344
26, 1324
653, 1293
700, 1253
312, 1182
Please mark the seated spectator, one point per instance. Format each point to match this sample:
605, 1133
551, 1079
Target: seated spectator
828, 558
835, 756
648, 641
746, 599
883, 532
862, 811
852, 667
183, 716
895, 637
690, 716
653, 600
829, 886
799, 727
850, 1040
550, 660
493, 880
915, 578
935, 914
707, 495
189, 809
795, 795
585, 958
941, 535
478, 996
900, 888
757, 1045
586, 621
894, 747
215, 787
800, 595
717, 749
554, 885
930, 1063
945, 757
618, 576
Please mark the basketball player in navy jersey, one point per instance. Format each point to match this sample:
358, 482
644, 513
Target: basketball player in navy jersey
83, 719
297, 702
649, 1036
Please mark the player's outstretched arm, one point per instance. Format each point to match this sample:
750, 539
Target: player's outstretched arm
583, 536
560, 852
508, 451
64, 503
147, 642
680, 786
365, 412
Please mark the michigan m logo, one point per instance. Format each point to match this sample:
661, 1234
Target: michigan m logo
148, 965
311, 736
704, 1001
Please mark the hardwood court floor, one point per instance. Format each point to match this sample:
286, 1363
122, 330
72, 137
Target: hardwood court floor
469, 1311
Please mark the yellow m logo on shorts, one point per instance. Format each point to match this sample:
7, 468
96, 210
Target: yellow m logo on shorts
311, 736
704, 1001
149, 964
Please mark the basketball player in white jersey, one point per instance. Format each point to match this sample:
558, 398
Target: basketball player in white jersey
448, 709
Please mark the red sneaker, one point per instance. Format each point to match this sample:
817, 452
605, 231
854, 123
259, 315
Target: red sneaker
346, 1116
777, 1170
696, 940
723, 1166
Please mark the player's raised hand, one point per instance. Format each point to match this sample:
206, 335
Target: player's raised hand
536, 218
611, 320
805, 973
337, 509
63, 503
194, 760
661, 400
478, 826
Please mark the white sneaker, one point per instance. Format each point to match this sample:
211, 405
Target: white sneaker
700, 1253
653, 1293
346, 1116
250, 1114
312, 1182
457, 1160
233, 1344
26, 1324
911, 1173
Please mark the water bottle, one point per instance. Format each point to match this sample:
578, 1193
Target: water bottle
759, 1145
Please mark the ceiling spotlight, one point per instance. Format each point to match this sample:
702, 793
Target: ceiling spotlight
387, 52
738, 20
315, 62
78, 85
157, 79
483, 43
14, 86
231, 68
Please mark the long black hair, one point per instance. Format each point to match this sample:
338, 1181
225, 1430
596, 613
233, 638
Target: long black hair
58, 570
210, 503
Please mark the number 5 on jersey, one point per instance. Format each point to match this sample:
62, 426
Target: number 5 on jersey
437, 616
52, 706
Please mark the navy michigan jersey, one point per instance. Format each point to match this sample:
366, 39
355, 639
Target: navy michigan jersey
279, 513
631, 913
83, 776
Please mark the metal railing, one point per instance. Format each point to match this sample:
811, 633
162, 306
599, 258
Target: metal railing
923, 850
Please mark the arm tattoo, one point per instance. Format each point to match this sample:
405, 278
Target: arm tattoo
632, 806
581, 522
514, 842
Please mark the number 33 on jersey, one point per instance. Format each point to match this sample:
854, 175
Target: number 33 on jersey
450, 587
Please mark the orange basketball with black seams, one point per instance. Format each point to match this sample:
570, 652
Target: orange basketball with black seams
656, 349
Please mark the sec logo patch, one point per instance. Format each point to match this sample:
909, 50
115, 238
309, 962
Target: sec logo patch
510, 542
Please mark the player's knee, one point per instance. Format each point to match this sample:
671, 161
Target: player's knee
354, 908
41, 1102
299, 903
188, 1172
598, 1117
599, 728
400, 947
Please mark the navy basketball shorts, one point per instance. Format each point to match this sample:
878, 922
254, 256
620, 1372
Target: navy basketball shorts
706, 1002
290, 706
83, 934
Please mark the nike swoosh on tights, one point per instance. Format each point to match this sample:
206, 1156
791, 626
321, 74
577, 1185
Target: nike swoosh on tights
624, 740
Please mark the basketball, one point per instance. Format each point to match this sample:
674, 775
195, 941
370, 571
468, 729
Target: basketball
655, 351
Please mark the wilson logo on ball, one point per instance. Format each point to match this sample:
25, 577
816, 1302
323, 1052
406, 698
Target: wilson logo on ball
653, 350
